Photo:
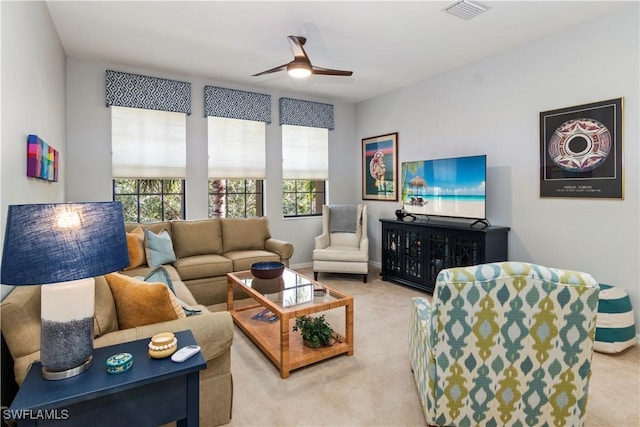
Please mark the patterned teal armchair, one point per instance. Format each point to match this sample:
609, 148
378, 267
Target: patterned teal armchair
505, 344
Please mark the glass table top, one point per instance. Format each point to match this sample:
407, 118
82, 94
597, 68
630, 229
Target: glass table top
289, 290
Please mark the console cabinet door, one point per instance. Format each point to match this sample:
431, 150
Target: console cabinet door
392, 237
413, 258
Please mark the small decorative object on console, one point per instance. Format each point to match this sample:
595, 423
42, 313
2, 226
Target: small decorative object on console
267, 269
119, 363
401, 215
319, 290
163, 345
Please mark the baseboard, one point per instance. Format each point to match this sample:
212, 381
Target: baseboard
301, 265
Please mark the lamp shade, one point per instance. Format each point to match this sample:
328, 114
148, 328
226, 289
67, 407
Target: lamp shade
60, 242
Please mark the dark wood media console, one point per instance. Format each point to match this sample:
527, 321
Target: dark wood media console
413, 253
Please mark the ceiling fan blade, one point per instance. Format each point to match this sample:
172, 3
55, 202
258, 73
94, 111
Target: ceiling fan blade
296, 43
330, 72
273, 70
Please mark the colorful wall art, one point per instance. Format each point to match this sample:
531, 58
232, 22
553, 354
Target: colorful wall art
42, 159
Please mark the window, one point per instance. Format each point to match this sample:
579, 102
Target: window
237, 168
302, 197
149, 163
304, 170
146, 200
235, 198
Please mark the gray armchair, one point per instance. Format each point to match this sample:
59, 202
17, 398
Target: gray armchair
343, 246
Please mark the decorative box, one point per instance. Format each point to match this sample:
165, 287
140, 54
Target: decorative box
119, 363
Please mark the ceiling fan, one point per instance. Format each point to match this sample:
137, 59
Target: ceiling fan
301, 65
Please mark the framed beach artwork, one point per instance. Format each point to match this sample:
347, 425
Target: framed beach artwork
581, 151
380, 167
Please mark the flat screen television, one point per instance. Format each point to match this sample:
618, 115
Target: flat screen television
453, 187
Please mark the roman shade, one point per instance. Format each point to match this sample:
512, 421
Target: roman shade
305, 153
236, 132
148, 143
148, 125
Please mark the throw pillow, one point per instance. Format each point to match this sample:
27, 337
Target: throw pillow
159, 248
161, 275
139, 303
135, 244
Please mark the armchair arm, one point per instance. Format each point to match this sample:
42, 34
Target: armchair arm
282, 248
364, 245
322, 241
421, 351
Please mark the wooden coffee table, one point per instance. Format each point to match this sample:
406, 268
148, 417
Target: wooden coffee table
288, 297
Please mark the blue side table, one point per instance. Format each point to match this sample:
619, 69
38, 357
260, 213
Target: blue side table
151, 393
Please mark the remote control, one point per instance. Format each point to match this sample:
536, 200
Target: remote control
185, 352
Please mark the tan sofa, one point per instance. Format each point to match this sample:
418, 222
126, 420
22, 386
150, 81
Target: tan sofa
20, 314
208, 249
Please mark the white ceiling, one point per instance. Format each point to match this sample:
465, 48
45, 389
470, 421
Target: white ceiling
387, 44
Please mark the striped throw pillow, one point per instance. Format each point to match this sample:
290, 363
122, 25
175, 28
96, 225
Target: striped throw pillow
615, 325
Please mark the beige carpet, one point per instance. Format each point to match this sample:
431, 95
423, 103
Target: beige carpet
375, 386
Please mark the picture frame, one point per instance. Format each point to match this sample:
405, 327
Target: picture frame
42, 159
581, 151
380, 167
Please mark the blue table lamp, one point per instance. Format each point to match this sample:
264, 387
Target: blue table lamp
63, 246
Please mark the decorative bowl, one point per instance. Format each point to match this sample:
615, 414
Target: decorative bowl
267, 269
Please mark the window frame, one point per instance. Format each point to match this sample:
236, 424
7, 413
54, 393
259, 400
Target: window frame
259, 193
162, 194
320, 188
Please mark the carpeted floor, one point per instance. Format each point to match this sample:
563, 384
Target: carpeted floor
375, 386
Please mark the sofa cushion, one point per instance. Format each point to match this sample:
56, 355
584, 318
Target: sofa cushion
200, 237
135, 244
201, 266
242, 260
240, 234
342, 253
159, 248
140, 303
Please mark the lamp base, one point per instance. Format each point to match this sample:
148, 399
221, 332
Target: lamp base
48, 374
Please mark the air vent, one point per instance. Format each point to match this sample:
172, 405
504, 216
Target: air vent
465, 9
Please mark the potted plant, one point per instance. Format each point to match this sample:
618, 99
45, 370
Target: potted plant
315, 331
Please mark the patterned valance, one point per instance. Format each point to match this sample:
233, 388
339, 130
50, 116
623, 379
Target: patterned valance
237, 104
151, 93
306, 113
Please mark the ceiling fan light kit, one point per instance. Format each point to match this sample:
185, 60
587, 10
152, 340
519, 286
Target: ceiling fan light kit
298, 69
301, 66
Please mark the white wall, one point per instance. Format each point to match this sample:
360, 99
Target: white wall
492, 107
33, 102
89, 147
